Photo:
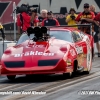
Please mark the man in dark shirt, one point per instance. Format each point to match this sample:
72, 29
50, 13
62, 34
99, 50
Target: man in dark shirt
50, 20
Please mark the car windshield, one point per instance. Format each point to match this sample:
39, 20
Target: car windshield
62, 35
24, 37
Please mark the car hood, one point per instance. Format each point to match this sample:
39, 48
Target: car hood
31, 52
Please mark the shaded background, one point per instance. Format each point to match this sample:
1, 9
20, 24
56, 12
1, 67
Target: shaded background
60, 9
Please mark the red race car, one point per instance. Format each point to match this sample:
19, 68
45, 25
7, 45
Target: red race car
57, 50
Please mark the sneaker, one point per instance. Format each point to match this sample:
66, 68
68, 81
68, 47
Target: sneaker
98, 54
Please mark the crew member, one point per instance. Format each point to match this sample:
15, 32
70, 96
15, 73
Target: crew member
35, 20
2, 31
50, 20
70, 19
96, 37
97, 21
24, 20
42, 16
85, 17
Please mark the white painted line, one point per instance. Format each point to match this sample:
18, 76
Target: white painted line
76, 81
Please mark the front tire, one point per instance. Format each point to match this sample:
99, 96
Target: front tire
11, 77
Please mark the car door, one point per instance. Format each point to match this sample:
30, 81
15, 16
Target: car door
81, 48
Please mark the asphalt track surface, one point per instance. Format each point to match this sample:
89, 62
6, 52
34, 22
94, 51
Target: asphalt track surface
53, 87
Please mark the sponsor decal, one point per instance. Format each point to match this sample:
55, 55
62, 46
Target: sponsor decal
31, 53
79, 50
82, 35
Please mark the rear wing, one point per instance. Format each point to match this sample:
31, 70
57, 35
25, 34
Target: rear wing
77, 25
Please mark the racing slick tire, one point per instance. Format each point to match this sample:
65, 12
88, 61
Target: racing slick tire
92, 53
89, 62
11, 77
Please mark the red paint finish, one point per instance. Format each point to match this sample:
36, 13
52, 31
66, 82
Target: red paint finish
53, 49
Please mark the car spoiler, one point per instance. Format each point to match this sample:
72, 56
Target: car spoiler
76, 25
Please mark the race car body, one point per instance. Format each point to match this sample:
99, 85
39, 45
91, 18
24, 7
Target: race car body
67, 50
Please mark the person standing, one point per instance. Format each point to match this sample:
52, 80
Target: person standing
96, 37
70, 19
2, 31
50, 20
24, 20
42, 16
85, 17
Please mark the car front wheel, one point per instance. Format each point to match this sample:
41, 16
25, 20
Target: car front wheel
11, 77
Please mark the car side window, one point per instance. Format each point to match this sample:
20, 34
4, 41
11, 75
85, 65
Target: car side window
76, 36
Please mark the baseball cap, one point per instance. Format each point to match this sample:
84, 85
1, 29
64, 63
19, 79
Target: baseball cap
86, 5
49, 12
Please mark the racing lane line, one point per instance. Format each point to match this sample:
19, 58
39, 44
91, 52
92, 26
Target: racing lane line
36, 85
85, 79
11, 86
43, 97
11, 96
62, 83
14, 86
5, 85
50, 84
66, 80
3, 88
59, 88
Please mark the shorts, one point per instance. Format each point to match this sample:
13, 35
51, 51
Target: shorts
96, 38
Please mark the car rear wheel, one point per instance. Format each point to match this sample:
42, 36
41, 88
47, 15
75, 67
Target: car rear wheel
11, 77
92, 53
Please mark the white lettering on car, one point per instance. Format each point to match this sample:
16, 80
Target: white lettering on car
26, 54
30, 53
17, 55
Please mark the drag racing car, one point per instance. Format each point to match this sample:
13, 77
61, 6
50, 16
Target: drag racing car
50, 50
